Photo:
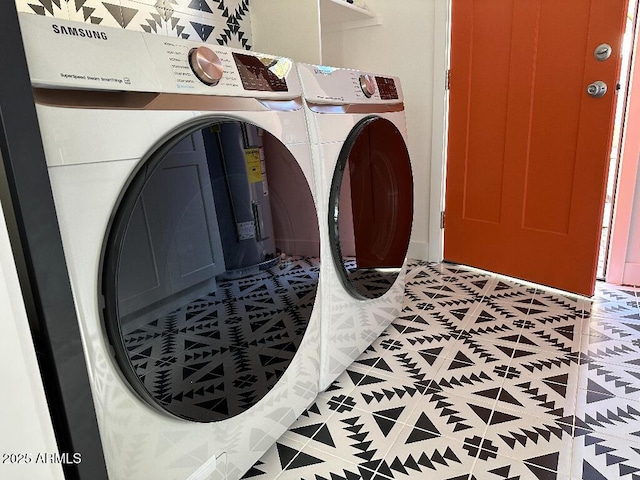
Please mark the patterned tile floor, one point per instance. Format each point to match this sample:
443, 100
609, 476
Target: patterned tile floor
480, 378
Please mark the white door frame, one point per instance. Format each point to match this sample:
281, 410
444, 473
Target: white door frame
441, 45
618, 271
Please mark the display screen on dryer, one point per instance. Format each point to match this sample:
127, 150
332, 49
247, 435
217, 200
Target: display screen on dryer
265, 74
387, 88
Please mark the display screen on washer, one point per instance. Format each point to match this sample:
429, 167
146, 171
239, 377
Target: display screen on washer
265, 74
211, 271
371, 208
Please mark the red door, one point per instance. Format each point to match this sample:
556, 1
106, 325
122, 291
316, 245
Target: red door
528, 146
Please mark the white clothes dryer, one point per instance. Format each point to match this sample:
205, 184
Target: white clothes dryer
358, 135
184, 190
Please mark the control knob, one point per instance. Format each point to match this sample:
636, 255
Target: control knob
368, 85
206, 65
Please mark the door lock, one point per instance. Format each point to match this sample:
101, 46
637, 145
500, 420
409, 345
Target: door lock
602, 52
597, 89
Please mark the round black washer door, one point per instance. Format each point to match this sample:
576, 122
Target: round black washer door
371, 208
209, 277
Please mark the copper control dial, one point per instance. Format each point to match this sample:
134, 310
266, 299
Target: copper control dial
368, 85
206, 65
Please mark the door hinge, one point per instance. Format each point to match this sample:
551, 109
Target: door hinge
442, 219
447, 80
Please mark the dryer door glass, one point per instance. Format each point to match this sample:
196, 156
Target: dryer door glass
371, 208
211, 270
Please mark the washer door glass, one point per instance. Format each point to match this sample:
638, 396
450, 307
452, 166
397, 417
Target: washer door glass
371, 208
211, 270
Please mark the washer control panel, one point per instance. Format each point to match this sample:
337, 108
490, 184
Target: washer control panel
190, 67
122, 60
328, 85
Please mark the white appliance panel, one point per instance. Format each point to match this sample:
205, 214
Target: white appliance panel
337, 127
76, 135
349, 324
339, 86
67, 54
154, 444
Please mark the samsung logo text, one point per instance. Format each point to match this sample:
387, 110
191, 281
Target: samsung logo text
78, 32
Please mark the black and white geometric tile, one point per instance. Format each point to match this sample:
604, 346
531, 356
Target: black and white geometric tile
369, 283
480, 378
221, 22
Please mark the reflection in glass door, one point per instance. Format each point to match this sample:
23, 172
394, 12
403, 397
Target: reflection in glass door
211, 271
371, 208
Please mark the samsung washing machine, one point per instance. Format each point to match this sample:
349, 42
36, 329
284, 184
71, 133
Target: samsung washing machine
358, 135
184, 189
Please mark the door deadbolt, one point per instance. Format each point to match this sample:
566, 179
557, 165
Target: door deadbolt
602, 52
597, 89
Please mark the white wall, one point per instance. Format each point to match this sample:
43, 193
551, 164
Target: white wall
24, 415
624, 248
291, 29
411, 43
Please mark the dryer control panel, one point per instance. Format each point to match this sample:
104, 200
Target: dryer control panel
71, 55
340, 86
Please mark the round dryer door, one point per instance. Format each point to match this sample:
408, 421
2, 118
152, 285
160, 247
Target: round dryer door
371, 208
211, 270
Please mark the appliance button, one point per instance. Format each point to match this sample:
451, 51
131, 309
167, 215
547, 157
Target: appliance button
367, 85
206, 65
